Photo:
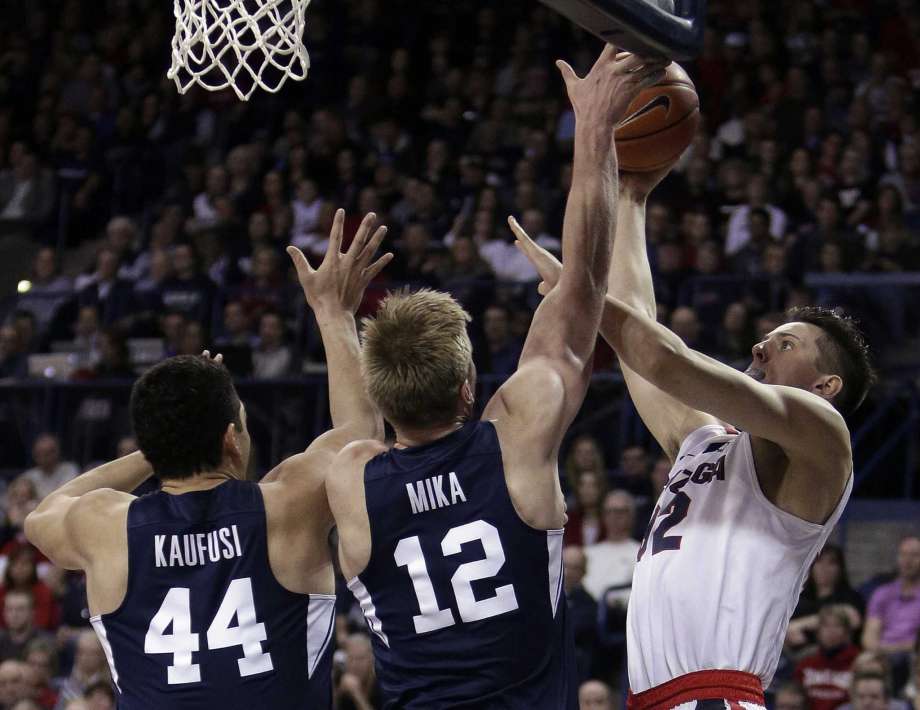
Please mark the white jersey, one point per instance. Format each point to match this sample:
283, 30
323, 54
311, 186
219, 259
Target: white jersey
720, 570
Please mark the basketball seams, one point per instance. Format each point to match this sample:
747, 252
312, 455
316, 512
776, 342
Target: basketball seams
670, 126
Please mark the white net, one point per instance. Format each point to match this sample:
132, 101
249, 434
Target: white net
241, 44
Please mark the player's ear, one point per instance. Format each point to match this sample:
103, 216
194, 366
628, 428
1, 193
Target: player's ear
829, 386
466, 392
231, 447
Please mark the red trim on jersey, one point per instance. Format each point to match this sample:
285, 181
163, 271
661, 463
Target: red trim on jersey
701, 685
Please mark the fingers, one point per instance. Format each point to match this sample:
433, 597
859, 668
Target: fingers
629, 63
371, 247
335, 236
524, 237
568, 74
357, 244
608, 53
371, 272
300, 262
219, 358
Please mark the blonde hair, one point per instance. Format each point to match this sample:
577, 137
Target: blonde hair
415, 356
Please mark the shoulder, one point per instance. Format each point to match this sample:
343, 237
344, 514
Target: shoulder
808, 419
357, 453
819, 408
100, 503
526, 393
96, 520
348, 466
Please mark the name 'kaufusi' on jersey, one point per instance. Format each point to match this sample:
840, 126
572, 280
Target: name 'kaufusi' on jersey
204, 623
464, 600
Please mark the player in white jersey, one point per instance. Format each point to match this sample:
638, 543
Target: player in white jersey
742, 515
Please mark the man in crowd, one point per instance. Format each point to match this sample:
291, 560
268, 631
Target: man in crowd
893, 614
18, 616
50, 471
611, 561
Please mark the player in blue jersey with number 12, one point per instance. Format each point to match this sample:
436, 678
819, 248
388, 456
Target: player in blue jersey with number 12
452, 539
217, 592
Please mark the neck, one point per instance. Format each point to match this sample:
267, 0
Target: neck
407, 436
198, 482
910, 582
824, 590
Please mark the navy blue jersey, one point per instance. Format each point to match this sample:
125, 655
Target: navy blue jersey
463, 599
204, 623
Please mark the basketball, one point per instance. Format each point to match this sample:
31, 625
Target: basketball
660, 123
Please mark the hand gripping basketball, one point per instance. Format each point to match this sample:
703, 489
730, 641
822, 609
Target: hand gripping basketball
604, 94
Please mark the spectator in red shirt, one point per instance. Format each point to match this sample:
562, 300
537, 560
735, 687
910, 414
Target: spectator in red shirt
585, 525
826, 674
21, 575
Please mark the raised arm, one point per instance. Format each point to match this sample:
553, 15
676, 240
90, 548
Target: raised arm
58, 526
536, 405
700, 384
630, 281
334, 292
773, 412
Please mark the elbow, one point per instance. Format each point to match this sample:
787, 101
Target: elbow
659, 362
30, 527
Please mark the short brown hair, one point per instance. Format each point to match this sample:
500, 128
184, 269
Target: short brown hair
842, 351
415, 355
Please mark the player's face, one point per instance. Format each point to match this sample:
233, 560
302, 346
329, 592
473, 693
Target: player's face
787, 356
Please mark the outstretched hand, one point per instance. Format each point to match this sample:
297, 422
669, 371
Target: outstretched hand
547, 265
341, 278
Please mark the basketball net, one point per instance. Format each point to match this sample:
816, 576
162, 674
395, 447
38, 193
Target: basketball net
239, 44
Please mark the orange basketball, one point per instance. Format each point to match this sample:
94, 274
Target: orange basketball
660, 123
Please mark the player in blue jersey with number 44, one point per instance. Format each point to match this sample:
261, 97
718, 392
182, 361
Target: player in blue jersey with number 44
217, 592
452, 539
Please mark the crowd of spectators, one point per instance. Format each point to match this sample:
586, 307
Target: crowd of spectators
846, 648
157, 224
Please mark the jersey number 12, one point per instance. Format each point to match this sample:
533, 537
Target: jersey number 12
408, 554
673, 514
181, 643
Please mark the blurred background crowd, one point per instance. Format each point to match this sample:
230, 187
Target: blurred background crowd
136, 224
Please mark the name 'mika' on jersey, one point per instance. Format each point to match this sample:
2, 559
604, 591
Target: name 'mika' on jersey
463, 599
